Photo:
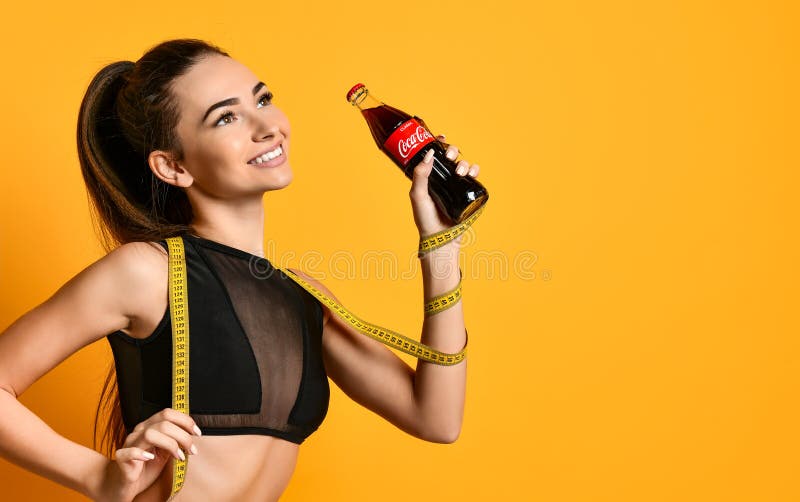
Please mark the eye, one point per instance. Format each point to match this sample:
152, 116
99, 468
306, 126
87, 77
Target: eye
223, 117
267, 96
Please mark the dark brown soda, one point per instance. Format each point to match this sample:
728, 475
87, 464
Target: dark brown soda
456, 196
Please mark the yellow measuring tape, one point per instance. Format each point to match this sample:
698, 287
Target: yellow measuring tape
179, 316
179, 311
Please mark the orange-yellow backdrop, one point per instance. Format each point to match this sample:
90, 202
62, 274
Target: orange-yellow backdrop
627, 291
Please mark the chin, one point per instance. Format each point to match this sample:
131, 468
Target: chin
282, 177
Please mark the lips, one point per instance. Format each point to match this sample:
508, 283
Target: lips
266, 150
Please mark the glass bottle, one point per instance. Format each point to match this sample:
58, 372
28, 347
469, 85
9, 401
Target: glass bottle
405, 139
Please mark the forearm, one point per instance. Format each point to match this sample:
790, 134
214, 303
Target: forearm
440, 390
30, 443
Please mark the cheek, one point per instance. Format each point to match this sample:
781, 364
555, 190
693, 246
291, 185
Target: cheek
220, 150
212, 162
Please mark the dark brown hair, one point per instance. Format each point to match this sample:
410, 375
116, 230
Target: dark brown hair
128, 111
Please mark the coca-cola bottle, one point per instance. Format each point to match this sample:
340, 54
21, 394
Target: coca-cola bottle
405, 140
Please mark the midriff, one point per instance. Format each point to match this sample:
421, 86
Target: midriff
230, 468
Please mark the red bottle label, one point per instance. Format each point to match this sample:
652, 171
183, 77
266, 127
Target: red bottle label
408, 139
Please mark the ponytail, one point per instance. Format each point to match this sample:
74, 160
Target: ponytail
127, 112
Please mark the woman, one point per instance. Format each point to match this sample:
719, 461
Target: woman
165, 153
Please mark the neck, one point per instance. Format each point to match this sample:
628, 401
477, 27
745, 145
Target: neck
239, 226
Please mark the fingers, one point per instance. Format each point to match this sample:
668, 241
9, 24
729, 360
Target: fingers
452, 152
133, 453
419, 180
174, 416
463, 168
167, 436
169, 430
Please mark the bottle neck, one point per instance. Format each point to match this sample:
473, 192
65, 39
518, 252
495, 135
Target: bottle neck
364, 100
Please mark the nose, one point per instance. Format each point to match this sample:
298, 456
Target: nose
266, 127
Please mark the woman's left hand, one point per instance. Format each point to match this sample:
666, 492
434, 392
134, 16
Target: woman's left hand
427, 216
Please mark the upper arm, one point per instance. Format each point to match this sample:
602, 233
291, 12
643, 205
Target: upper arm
100, 299
367, 370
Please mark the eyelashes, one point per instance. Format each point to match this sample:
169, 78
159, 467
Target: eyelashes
268, 95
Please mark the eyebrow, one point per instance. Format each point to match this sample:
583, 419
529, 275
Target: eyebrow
229, 101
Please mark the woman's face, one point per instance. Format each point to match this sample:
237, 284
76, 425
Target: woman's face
220, 141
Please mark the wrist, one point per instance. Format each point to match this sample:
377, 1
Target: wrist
440, 271
96, 478
444, 257
445, 246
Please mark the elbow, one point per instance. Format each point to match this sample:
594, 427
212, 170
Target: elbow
10, 390
451, 437
444, 437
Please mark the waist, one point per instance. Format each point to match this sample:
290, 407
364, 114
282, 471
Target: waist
231, 468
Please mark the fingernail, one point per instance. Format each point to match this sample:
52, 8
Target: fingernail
149, 455
429, 155
451, 154
461, 170
197, 430
181, 455
193, 449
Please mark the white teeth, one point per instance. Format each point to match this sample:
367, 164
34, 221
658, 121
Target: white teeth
268, 156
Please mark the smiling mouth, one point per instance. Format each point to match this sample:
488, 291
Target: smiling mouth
269, 158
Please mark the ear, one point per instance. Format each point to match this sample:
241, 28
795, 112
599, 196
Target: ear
169, 170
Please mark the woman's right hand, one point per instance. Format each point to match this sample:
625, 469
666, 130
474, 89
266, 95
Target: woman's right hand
132, 470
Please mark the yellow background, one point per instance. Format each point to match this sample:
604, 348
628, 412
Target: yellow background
641, 159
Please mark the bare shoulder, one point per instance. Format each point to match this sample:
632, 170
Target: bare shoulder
119, 273
142, 270
126, 281
139, 259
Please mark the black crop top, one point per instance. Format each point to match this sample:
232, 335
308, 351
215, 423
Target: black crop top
255, 350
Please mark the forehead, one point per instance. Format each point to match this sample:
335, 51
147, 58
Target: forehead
210, 80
